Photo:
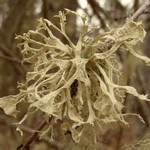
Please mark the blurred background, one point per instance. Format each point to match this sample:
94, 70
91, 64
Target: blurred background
19, 16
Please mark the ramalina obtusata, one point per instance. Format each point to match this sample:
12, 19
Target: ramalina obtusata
78, 84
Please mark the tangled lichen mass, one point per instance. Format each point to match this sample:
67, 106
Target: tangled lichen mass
78, 84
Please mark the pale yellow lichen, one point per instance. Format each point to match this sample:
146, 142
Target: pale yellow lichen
76, 83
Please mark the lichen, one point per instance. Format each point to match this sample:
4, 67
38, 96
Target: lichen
76, 83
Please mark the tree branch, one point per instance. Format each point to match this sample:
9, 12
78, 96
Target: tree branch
10, 59
96, 8
55, 144
140, 10
26, 146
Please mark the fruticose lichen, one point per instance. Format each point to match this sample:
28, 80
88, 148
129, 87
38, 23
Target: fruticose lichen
76, 83
143, 144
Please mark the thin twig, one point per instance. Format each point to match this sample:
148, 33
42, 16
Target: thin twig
26, 146
8, 55
34, 135
8, 120
140, 10
56, 144
10, 59
136, 5
96, 8
8, 52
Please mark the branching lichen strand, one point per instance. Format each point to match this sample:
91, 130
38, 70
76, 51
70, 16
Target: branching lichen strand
78, 84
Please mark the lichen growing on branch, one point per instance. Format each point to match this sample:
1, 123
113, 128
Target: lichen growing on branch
76, 83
